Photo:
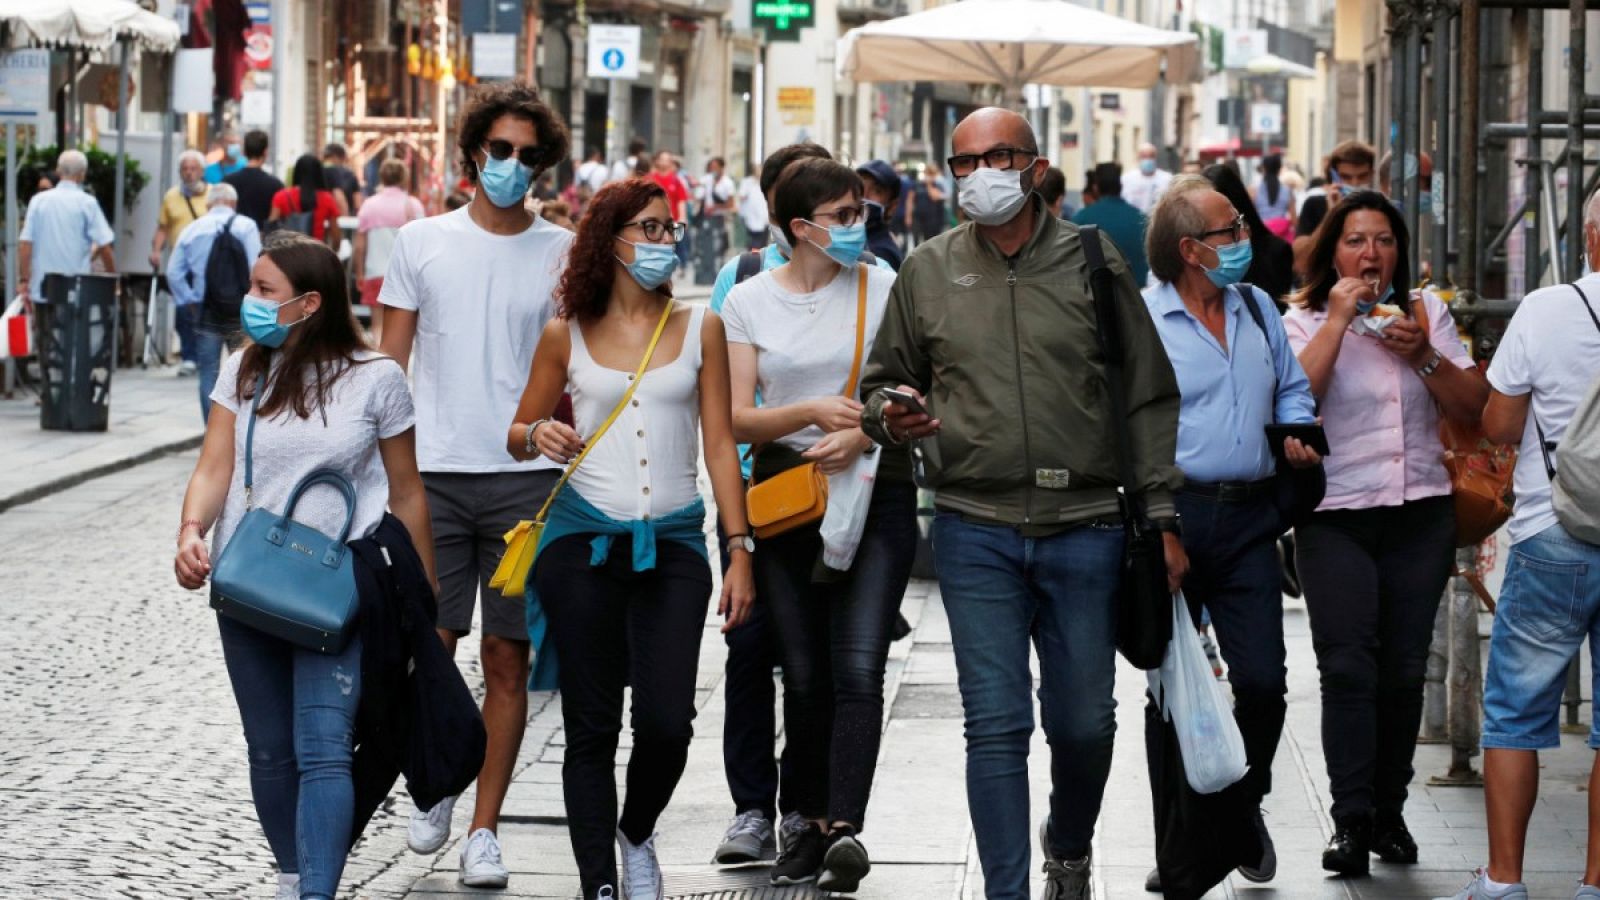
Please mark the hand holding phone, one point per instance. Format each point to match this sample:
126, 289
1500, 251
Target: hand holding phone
906, 400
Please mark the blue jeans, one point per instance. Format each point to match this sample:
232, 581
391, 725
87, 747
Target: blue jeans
1001, 591
1549, 603
186, 318
208, 344
298, 708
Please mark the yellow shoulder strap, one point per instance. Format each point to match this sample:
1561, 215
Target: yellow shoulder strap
622, 404
861, 332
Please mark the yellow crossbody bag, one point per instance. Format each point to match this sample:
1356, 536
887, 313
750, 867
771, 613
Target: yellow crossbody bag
522, 542
799, 496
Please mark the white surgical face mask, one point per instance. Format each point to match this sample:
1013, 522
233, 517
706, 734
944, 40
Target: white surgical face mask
992, 196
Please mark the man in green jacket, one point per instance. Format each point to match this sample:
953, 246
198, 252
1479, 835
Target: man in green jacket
991, 326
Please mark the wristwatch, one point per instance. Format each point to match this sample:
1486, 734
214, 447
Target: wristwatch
1432, 366
740, 542
1170, 525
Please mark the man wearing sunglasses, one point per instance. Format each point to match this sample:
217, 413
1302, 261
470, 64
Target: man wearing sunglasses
1019, 445
467, 295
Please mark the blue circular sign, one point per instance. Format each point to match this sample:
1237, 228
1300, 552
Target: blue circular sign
612, 59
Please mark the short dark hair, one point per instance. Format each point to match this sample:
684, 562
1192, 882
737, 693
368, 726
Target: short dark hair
782, 158
1354, 153
808, 184
510, 98
1107, 179
1053, 186
636, 146
1321, 276
717, 161
335, 150
255, 145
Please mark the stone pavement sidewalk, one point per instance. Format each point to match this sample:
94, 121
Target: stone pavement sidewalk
919, 834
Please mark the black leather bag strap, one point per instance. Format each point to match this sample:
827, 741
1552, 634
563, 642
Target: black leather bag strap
749, 266
1108, 331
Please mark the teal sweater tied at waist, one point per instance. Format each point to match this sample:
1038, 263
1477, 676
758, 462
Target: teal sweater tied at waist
570, 514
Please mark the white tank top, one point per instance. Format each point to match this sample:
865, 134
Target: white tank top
646, 465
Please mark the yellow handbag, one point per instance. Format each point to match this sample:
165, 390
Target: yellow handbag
799, 496
522, 542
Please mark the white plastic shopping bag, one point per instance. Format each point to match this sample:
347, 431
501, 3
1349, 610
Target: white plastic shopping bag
1194, 702
849, 496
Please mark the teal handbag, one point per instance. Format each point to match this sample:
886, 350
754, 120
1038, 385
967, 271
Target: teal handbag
284, 578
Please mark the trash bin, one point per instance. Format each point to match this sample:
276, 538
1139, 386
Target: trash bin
77, 339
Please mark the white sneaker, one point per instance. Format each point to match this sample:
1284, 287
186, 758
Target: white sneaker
641, 872
187, 367
429, 830
480, 861
288, 887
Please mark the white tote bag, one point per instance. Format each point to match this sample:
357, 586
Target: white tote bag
1192, 699
849, 497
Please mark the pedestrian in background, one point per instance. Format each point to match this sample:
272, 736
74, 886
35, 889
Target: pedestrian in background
1236, 374
1028, 535
1547, 363
927, 216
63, 232
1375, 556
341, 179
469, 292
637, 162
255, 185
623, 576
1273, 199
881, 201
326, 400
1118, 218
559, 214
1349, 168
379, 222
592, 173
1053, 190
183, 203
306, 206
664, 172
231, 158
716, 195
752, 204
1145, 185
1271, 257
216, 323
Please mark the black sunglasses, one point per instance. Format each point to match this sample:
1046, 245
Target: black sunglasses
531, 156
1003, 158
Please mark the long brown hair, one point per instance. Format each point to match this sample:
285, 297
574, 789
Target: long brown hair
1321, 275
585, 288
319, 350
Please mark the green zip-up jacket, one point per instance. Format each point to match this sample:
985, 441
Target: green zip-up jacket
1005, 352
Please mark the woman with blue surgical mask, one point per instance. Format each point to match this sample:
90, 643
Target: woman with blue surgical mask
799, 333
622, 576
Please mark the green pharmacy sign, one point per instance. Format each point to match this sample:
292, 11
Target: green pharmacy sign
783, 19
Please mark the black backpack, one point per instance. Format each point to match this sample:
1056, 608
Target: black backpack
227, 276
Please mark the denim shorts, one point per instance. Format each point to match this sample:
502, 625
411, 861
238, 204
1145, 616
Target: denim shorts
1549, 603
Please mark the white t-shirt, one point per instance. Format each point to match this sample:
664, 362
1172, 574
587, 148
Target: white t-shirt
369, 403
715, 190
752, 204
1142, 191
481, 300
1551, 348
593, 174
804, 342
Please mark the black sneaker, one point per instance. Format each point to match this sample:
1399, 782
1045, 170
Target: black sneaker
1267, 869
801, 858
1064, 879
845, 863
1347, 851
1392, 840
1152, 882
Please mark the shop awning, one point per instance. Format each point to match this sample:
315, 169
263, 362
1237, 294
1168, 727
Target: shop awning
83, 25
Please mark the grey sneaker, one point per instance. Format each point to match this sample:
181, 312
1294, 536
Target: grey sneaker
641, 871
1267, 869
1587, 892
749, 839
791, 827
1478, 889
1064, 879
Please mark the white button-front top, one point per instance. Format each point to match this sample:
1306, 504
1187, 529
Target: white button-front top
646, 465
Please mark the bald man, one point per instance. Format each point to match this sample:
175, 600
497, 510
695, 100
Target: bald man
1029, 536
1143, 186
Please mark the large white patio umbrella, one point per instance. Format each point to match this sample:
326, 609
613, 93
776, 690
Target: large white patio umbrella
1016, 42
84, 24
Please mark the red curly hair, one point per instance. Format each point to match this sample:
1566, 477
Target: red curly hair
585, 288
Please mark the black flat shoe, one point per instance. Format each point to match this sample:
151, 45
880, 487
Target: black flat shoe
1392, 841
1347, 851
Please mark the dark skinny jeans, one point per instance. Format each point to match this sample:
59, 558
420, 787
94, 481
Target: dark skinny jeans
833, 636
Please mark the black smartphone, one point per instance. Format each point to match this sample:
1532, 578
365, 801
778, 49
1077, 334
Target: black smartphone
1308, 433
906, 400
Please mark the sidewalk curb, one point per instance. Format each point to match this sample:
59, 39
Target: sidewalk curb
39, 492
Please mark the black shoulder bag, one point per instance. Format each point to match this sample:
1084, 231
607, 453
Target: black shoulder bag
1296, 493
1144, 605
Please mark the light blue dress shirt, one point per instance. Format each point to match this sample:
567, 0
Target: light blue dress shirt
186, 267
1228, 394
64, 225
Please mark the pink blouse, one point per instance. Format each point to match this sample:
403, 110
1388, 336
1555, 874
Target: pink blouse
1382, 424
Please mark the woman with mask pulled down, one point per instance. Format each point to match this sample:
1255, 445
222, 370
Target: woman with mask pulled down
622, 575
319, 398
1385, 363
799, 333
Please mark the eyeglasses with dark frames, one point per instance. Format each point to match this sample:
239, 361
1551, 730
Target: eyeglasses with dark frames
654, 228
531, 156
844, 215
1003, 158
1237, 231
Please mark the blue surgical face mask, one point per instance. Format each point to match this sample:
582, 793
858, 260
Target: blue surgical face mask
782, 241
653, 264
1147, 166
1233, 260
260, 320
845, 243
235, 152
1364, 308
504, 180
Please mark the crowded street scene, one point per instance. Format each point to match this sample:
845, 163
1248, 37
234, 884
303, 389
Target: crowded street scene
788, 449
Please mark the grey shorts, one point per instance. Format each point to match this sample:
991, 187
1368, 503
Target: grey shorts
471, 514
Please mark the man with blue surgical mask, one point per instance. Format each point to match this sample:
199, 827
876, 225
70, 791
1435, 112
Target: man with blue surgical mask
467, 295
1145, 185
990, 329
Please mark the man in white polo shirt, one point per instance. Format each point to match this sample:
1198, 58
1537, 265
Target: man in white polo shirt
468, 294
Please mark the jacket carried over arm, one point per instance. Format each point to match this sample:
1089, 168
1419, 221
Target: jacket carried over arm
1005, 351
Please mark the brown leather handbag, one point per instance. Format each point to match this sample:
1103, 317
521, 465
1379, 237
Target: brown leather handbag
799, 496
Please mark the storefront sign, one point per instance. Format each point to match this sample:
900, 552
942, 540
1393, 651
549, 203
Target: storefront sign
783, 19
258, 37
494, 55
24, 85
614, 51
797, 105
